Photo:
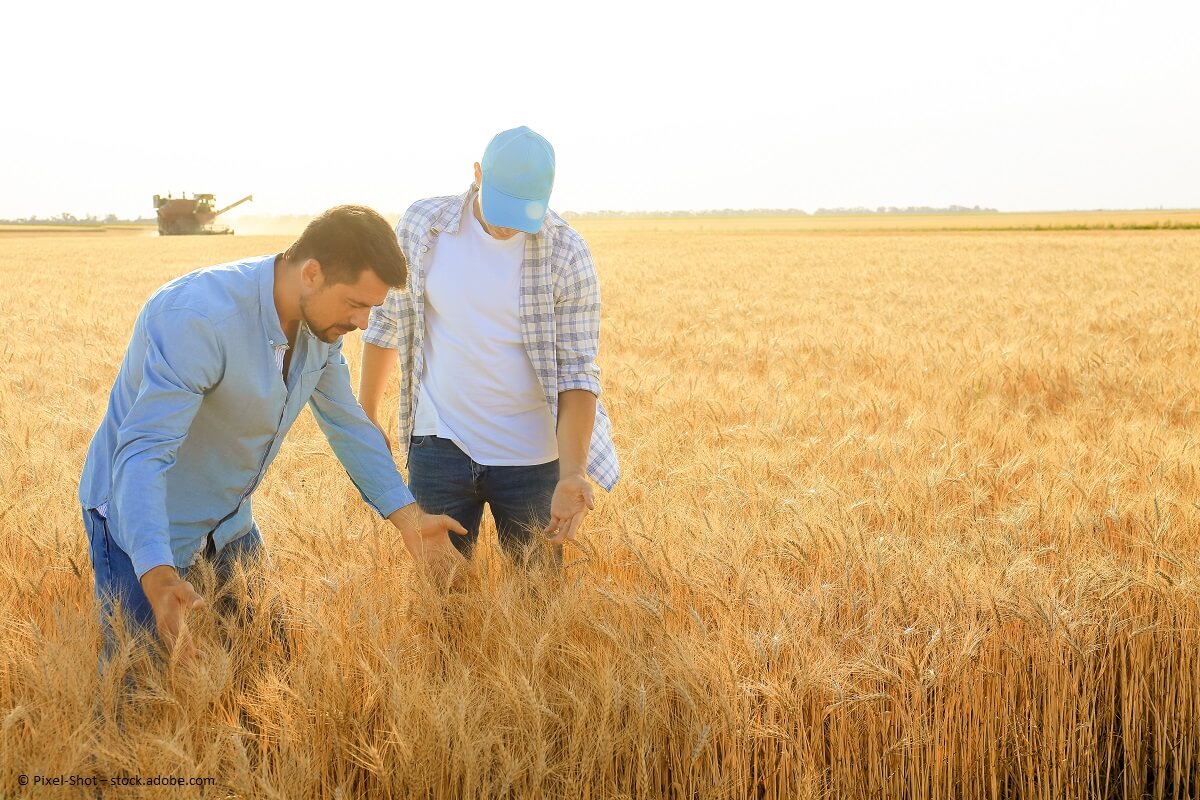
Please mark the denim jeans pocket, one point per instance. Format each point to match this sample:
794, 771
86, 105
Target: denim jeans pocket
420, 441
97, 531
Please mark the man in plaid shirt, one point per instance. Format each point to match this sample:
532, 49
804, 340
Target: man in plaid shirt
496, 338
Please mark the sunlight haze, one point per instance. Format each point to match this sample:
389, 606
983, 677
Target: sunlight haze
1014, 106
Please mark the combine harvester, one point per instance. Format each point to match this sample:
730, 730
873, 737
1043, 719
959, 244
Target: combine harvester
178, 216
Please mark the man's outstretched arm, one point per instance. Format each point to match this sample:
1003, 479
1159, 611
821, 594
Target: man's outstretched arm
182, 360
363, 451
576, 344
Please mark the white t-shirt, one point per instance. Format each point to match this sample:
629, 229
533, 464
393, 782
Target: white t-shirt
479, 388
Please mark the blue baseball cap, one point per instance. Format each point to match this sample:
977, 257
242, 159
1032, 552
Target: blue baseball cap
518, 174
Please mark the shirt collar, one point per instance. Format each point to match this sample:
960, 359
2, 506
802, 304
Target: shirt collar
451, 217
266, 299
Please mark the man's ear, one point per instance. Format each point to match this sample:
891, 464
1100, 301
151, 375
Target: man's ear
311, 275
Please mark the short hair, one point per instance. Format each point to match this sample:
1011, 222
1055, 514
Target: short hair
349, 239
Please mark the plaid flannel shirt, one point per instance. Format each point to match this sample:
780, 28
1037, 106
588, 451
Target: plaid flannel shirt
560, 317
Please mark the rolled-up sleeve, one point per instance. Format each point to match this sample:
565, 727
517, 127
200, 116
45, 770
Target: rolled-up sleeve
355, 441
577, 323
383, 327
183, 360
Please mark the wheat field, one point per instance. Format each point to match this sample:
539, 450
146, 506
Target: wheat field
904, 514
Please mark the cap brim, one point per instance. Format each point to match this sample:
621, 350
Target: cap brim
505, 211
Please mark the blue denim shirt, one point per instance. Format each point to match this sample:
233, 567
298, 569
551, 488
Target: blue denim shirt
200, 408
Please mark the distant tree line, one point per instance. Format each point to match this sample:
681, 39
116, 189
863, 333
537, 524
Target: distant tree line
66, 218
784, 212
713, 212
908, 210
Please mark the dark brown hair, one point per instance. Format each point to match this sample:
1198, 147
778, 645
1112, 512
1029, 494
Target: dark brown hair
348, 239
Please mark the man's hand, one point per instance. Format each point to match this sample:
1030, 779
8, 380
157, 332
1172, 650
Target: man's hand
427, 537
570, 504
172, 599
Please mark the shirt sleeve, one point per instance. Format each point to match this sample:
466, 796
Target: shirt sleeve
383, 327
183, 360
355, 441
577, 322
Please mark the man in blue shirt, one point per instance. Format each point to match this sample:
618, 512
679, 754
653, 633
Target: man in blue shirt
219, 365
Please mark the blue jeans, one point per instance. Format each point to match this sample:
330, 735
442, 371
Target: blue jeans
118, 585
445, 480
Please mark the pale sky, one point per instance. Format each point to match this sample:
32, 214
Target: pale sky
655, 106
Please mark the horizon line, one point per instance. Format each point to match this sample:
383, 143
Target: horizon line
839, 211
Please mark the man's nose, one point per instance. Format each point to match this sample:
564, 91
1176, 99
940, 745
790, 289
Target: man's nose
361, 318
